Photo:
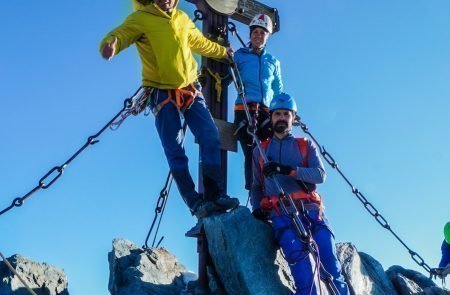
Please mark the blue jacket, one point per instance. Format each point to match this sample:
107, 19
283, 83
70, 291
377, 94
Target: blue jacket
261, 75
285, 151
445, 248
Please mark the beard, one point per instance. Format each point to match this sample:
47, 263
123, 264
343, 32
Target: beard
280, 126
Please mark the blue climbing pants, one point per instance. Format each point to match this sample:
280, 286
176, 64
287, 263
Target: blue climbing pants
201, 124
303, 268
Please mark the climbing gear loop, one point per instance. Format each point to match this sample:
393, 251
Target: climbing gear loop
368, 205
58, 170
138, 103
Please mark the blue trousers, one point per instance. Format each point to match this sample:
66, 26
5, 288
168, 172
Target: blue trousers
169, 127
296, 253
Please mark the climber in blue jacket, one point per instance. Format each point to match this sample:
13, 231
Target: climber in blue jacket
261, 76
445, 248
296, 164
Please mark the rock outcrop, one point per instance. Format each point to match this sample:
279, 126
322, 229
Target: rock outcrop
136, 271
245, 256
244, 260
42, 278
408, 281
362, 272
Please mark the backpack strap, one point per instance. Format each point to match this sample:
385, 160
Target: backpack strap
303, 147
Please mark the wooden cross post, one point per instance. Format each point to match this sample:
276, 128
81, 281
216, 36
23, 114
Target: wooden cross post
216, 13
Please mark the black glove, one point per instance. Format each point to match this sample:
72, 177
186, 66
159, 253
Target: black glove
260, 214
271, 168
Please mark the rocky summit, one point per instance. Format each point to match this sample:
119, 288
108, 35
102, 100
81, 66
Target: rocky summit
239, 263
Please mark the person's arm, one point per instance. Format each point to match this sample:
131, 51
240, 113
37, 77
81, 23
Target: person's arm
120, 38
256, 190
277, 84
315, 172
202, 45
445, 260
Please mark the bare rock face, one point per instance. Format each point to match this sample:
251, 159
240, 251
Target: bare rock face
362, 272
136, 271
408, 281
245, 256
42, 278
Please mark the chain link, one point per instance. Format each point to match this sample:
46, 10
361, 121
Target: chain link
161, 203
55, 173
367, 205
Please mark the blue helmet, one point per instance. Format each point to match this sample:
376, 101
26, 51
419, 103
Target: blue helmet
283, 101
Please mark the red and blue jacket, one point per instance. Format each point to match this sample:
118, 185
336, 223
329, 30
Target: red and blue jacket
286, 151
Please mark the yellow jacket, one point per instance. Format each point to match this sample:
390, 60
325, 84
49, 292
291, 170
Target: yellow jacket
165, 44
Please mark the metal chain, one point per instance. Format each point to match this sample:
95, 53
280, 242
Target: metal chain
162, 201
367, 205
55, 173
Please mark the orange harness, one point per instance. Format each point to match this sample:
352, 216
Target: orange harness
271, 202
182, 98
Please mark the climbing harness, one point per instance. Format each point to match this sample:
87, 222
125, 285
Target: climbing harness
283, 198
367, 205
161, 203
16, 274
306, 197
55, 173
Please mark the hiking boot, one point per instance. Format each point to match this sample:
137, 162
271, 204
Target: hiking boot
196, 230
203, 209
226, 203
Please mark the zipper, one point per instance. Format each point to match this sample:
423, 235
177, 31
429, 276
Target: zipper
260, 82
279, 156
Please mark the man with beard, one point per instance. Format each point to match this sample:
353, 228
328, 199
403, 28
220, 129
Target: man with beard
296, 164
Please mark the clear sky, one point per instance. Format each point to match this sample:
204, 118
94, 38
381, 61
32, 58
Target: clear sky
372, 79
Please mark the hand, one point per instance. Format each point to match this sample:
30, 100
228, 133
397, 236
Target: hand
260, 214
272, 168
230, 52
109, 50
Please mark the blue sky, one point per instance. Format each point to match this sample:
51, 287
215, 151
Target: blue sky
372, 80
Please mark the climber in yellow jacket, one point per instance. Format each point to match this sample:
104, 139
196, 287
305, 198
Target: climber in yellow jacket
166, 39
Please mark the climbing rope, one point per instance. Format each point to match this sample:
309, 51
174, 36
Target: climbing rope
16, 274
55, 173
367, 205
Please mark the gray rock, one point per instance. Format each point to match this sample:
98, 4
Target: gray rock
415, 276
245, 256
135, 271
405, 286
42, 278
362, 272
435, 291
